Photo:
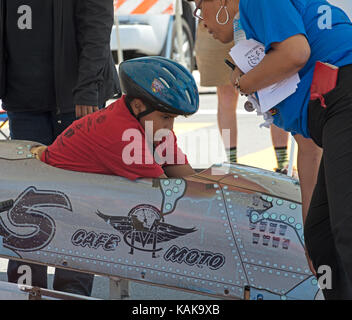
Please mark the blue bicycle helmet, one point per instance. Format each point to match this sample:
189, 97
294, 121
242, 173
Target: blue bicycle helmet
162, 84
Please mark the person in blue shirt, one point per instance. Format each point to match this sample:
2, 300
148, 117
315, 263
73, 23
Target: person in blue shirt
296, 34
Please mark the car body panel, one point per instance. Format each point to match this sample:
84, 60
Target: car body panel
150, 34
142, 33
205, 233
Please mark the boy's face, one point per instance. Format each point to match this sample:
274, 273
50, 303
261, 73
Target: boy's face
160, 120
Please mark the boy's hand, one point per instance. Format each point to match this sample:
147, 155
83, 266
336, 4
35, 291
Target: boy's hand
179, 171
82, 111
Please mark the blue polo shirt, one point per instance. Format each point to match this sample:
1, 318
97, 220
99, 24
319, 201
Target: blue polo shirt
269, 21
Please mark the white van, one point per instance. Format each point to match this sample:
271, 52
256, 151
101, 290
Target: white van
142, 35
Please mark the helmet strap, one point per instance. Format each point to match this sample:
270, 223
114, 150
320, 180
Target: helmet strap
141, 114
144, 113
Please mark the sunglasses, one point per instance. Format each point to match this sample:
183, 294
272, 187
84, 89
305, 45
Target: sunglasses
197, 13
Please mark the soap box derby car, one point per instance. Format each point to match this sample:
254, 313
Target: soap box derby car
231, 231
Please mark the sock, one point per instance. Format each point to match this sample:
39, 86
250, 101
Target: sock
232, 154
281, 157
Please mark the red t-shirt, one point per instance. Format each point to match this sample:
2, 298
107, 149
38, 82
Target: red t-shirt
112, 141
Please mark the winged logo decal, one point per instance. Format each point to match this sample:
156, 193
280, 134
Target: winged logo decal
144, 228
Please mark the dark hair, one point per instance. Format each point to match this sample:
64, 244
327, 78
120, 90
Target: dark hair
129, 99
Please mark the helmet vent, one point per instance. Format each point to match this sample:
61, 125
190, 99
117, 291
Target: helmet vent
169, 72
188, 96
164, 82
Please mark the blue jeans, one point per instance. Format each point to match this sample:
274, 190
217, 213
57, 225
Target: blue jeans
44, 128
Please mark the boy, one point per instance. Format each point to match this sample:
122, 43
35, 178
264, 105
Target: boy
157, 91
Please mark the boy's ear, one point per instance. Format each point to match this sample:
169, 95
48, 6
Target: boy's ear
138, 106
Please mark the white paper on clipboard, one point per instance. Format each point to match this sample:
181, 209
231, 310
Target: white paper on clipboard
247, 54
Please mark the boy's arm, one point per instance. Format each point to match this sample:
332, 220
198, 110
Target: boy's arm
178, 171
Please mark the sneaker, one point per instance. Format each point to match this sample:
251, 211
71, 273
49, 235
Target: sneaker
285, 171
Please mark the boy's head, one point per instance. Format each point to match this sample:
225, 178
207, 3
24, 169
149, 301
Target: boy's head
158, 89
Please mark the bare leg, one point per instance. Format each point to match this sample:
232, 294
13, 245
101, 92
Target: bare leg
227, 119
279, 136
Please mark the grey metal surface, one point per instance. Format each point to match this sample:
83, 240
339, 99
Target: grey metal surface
213, 233
13, 291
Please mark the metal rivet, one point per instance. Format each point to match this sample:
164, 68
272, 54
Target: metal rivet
254, 217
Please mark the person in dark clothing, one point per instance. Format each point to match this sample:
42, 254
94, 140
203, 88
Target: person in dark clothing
55, 66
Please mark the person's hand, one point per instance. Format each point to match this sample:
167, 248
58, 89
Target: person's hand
82, 111
235, 74
310, 264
